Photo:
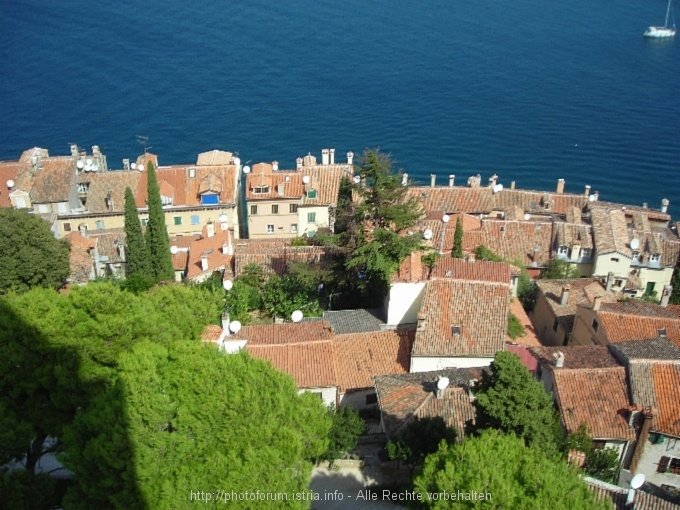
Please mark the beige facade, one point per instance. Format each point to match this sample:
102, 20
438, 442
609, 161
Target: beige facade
587, 328
546, 323
273, 218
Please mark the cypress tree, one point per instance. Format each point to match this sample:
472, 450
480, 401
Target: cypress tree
157, 240
457, 251
136, 252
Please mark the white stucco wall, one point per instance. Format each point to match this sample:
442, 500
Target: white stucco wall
660, 277
322, 218
604, 265
328, 394
404, 302
649, 461
427, 364
231, 346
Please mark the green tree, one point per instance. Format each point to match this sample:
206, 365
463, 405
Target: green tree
346, 427
30, 256
559, 270
157, 240
515, 328
136, 252
509, 399
600, 463
192, 418
420, 438
457, 251
507, 472
675, 282
484, 253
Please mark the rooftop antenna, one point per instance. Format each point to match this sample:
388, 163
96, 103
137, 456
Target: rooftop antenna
144, 140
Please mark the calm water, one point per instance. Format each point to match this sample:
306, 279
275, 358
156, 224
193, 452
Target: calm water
530, 90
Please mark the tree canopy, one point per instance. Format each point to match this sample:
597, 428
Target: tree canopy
506, 472
137, 252
157, 241
30, 256
509, 399
420, 438
557, 269
346, 427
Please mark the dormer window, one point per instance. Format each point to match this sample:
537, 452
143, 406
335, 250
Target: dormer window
562, 250
83, 187
166, 200
209, 199
586, 253
259, 190
655, 258
311, 193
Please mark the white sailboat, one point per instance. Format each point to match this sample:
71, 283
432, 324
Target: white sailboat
665, 30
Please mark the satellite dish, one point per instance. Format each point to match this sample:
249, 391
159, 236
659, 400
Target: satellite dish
95, 168
228, 284
446, 218
237, 161
635, 243
497, 188
305, 179
442, 383
174, 250
296, 316
637, 481
133, 165
357, 179
223, 218
80, 164
246, 169
235, 326
10, 183
527, 217
427, 235
592, 198
88, 167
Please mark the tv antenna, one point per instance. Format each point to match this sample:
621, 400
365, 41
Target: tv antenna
144, 140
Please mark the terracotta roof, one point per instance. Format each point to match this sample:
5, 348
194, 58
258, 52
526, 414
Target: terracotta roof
597, 397
639, 307
651, 349
570, 234
582, 291
213, 248
459, 269
478, 309
53, 181
361, 320
576, 357
275, 259
529, 337
405, 396
211, 333
108, 242
361, 356
183, 242
538, 201
524, 355
325, 179
106, 190
284, 334
619, 327
291, 185
80, 260
647, 497
667, 392
215, 157
526, 241
180, 260
8, 172
454, 199
310, 364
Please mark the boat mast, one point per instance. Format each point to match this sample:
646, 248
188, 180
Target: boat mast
668, 10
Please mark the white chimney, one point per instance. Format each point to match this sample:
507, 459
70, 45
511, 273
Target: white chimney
230, 247
565, 295
404, 179
597, 301
204, 262
560, 186
666, 295
664, 205
279, 188
298, 163
95, 150
452, 179
610, 281
512, 185
332, 152
586, 190
422, 322
225, 322
275, 166
433, 178
210, 229
492, 180
559, 359
350, 157
74, 150
324, 156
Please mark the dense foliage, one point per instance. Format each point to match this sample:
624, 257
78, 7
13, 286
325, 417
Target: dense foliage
509, 399
420, 438
515, 328
507, 472
346, 427
600, 463
30, 256
157, 241
557, 269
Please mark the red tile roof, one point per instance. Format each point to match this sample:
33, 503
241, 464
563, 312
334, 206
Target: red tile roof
53, 181
211, 333
597, 397
287, 333
213, 247
8, 172
459, 269
180, 260
80, 260
619, 327
310, 364
576, 357
275, 259
667, 391
529, 337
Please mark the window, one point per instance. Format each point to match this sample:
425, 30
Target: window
596, 325
455, 330
655, 258
562, 250
371, 398
311, 193
253, 209
586, 253
270, 229
556, 325
293, 227
669, 464
614, 259
177, 220
311, 217
43, 208
209, 199
293, 208
99, 225
61, 208
195, 220
260, 189
83, 187
67, 226
144, 221
275, 209
649, 290
618, 282
21, 203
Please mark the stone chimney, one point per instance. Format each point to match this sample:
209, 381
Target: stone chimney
225, 322
204, 262
210, 229
596, 303
404, 179
298, 164
610, 281
422, 321
74, 151
564, 299
121, 250
324, 156
560, 186
229, 245
275, 166
350, 157
666, 295
452, 179
512, 185
332, 155
586, 190
433, 178
559, 359
664, 205
492, 180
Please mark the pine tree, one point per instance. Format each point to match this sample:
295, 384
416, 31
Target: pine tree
157, 240
675, 282
136, 252
457, 251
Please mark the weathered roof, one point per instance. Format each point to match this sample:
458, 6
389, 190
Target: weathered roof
481, 270
106, 190
8, 172
213, 248
647, 497
215, 157
402, 397
454, 199
361, 356
463, 318
597, 397
576, 357
570, 234
354, 321
529, 337
667, 391
619, 327
310, 364
52, 182
274, 259
80, 260
109, 242
287, 333
650, 349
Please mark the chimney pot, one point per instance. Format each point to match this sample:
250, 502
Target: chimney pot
204, 262
350, 157
666, 295
324, 156
512, 185
586, 190
452, 179
610, 281
596, 303
332, 153
564, 300
433, 178
664, 205
559, 359
404, 179
210, 229
560, 186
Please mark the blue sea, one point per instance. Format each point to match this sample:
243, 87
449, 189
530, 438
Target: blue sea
530, 90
